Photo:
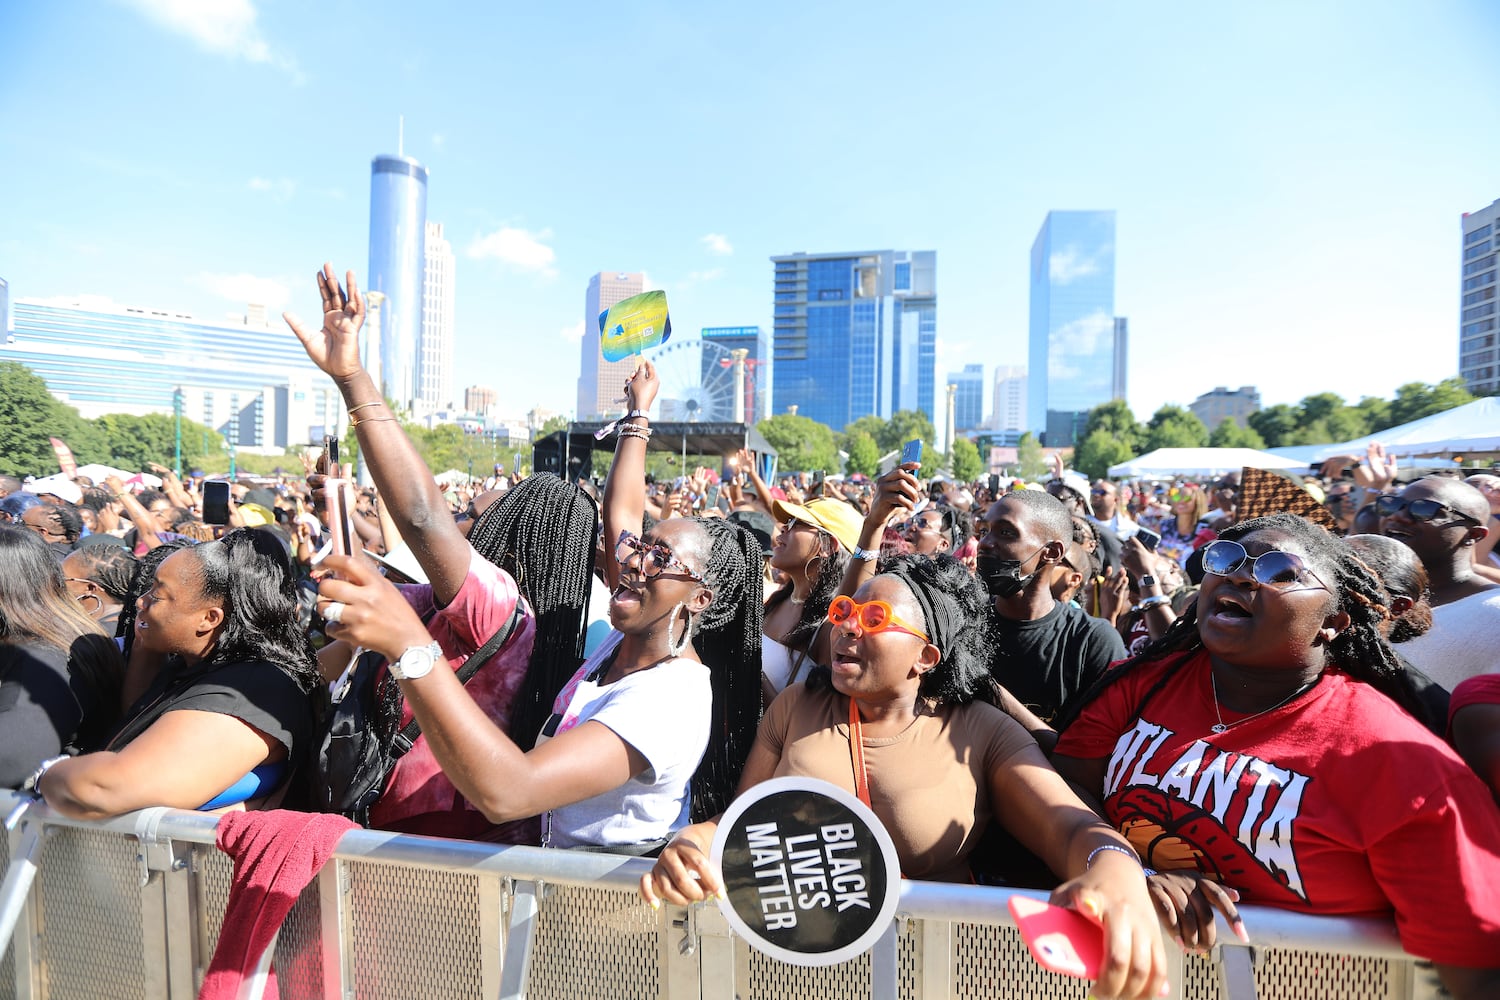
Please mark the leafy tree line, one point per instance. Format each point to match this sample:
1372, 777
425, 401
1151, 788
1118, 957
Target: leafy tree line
805, 445
29, 415
1112, 434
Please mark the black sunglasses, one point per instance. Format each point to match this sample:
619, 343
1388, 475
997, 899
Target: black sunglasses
1388, 504
1276, 569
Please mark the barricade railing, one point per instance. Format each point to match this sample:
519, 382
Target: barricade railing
132, 907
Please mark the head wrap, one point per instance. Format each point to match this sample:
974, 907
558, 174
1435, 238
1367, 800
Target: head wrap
942, 614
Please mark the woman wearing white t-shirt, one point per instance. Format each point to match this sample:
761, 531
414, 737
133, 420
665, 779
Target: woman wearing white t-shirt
644, 735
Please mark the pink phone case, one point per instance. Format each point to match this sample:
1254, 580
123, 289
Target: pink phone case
1061, 940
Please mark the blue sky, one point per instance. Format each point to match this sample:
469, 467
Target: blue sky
1288, 176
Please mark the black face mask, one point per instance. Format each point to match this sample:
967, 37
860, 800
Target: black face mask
1003, 577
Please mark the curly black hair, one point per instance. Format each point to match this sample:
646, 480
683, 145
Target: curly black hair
825, 587
1359, 650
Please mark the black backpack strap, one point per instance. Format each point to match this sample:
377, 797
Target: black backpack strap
402, 742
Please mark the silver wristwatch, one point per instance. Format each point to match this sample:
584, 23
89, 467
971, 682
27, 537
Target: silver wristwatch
417, 661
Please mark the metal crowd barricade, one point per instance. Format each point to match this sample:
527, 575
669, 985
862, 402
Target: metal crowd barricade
132, 907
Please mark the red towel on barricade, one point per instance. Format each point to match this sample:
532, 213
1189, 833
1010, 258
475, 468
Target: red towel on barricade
276, 854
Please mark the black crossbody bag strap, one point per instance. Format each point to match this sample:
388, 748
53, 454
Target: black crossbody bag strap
403, 741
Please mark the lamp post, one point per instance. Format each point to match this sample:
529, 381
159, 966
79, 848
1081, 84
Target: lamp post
177, 416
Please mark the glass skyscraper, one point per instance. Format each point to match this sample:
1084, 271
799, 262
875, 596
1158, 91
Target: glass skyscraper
601, 384
855, 334
1072, 344
250, 381
398, 223
968, 402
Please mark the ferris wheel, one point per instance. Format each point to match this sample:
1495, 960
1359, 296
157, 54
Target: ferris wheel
697, 382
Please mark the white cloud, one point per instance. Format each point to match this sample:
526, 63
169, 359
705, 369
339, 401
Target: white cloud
1067, 265
712, 274
245, 289
280, 188
1081, 338
225, 27
572, 334
718, 244
523, 250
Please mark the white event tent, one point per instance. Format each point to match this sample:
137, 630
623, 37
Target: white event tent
1473, 428
1167, 462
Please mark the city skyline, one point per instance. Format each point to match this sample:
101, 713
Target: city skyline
1235, 191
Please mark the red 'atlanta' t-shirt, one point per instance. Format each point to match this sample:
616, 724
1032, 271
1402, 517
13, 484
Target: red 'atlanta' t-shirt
1336, 803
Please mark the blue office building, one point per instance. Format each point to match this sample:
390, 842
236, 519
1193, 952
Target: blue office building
757, 344
1073, 365
250, 381
398, 226
968, 401
855, 334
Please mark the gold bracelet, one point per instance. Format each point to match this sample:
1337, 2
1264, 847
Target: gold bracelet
355, 422
361, 406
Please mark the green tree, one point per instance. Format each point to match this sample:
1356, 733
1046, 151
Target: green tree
552, 425
1319, 406
1416, 400
905, 425
1377, 413
869, 424
29, 415
863, 452
1115, 419
804, 445
967, 465
1031, 463
933, 462
1174, 427
1231, 435
1098, 451
135, 442
1275, 424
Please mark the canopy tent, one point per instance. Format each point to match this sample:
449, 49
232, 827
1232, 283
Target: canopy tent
1166, 462
1473, 428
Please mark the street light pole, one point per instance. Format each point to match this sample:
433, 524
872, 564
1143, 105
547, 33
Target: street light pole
177, 414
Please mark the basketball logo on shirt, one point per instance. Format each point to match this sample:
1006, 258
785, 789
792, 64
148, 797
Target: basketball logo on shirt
1228, 815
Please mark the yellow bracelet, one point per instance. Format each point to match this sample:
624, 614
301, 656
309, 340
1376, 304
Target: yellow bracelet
355, 422
361, 406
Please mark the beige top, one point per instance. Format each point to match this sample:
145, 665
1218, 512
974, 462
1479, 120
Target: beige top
929, 785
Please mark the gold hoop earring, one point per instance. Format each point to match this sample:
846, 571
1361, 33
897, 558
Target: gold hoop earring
98, 604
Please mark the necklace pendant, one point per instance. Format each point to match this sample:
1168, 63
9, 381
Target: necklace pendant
1218, 727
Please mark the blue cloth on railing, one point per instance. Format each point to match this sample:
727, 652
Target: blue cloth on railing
256, 783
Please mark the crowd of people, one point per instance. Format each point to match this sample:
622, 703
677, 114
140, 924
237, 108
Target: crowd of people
1157, 700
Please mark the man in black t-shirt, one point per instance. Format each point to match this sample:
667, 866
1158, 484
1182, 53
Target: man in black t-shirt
1044, 652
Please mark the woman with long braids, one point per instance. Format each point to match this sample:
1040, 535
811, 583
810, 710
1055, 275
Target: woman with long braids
529, 553
1263, 751
909, 686
227, 718
59, 672
614, 761
812, 552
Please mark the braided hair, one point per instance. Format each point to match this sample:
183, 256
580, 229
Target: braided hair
1404, 576
542, 532
111, 567
727, 639
1359, 650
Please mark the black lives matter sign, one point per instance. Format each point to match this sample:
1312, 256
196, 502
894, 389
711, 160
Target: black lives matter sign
810, 875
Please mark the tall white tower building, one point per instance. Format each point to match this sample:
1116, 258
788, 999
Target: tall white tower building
435, 361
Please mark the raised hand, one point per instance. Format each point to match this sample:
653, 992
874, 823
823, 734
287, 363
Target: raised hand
642, 387
1378, 471
335, 347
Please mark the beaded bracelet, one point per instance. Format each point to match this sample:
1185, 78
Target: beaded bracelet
1089, 862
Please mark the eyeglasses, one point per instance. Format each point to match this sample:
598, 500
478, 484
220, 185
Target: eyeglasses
1276, 569
1099, 493
871, 617
655, 558
917, 524
1388, 504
